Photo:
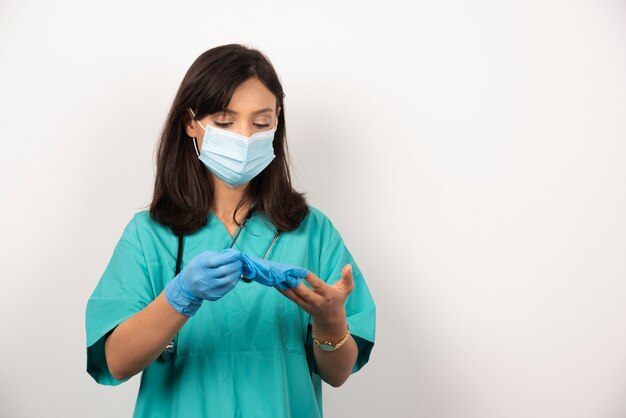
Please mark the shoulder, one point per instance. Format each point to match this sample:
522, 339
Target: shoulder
315, 217
141, 226
142, 219
319, 224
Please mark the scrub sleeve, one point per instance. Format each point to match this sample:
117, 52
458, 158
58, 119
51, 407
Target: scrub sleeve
360, 307
123, 290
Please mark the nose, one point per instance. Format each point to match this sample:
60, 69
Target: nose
245, 129
247, 132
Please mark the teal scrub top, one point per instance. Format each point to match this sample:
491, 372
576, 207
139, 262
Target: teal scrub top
248, 354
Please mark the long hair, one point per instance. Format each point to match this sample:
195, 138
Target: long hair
183, 189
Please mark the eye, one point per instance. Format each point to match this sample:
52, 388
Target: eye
222, 124
262, 125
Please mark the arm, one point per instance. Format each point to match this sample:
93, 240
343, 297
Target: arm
334, 367
140, 339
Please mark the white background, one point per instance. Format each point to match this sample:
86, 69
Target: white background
470, 153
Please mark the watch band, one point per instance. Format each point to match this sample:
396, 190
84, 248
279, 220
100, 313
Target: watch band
330, 345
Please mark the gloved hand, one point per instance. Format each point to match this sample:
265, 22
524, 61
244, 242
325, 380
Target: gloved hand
208, 276
269, 273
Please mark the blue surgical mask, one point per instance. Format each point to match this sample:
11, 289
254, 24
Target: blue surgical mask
234, 158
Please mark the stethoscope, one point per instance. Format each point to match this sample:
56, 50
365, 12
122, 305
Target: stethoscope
170, 350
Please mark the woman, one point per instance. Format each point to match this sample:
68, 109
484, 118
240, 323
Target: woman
177, 304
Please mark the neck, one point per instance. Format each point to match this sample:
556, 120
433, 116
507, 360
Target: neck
225, 199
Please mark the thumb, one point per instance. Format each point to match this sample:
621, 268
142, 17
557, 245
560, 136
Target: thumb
347, 281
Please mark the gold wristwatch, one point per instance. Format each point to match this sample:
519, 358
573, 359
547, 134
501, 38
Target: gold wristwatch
330, 345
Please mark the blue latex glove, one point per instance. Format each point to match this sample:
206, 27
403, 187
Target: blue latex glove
208, 276
269, 273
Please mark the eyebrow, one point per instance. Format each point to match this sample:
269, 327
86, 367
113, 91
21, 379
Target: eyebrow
256, 112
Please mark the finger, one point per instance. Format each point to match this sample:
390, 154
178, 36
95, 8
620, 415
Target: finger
307, 294
315, 282
226, 280
212, 259
227, 269
288, 293
294, 297
227, 283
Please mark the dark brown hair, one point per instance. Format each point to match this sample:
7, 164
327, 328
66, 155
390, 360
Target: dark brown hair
183, 189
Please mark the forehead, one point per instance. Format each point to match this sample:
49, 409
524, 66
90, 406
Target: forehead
251, 96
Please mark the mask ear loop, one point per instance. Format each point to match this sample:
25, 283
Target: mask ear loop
195, 141
195, 146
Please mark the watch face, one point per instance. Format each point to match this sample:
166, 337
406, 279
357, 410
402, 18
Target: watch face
327, 347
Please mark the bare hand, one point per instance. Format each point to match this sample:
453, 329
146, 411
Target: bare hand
323, 302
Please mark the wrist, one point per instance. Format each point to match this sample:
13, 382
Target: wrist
332, 327
331, 344
332, 320
180, 299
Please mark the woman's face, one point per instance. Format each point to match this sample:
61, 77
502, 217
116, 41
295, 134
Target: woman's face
252, 109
